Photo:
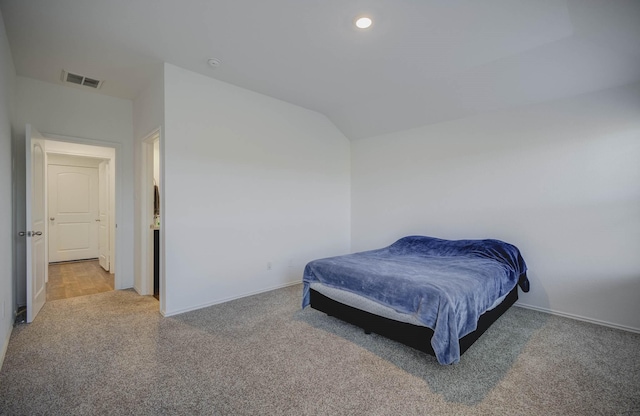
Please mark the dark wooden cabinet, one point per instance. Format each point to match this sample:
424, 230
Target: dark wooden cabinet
156, 264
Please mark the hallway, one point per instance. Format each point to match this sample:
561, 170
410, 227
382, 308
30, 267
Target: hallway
78, 278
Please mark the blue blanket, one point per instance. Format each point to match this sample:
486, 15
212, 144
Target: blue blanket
445, 284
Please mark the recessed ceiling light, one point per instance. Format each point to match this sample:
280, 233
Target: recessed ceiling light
363, 22
214, 62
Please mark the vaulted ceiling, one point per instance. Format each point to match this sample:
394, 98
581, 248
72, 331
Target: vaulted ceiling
422, 61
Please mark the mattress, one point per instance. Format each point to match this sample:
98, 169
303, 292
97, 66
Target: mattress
367, 305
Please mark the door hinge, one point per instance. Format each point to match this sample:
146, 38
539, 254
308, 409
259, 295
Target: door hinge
29, 233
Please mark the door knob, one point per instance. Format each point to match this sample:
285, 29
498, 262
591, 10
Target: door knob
36, 233
52, 218
97, 219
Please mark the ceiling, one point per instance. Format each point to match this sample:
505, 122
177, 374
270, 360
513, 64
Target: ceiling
421, 62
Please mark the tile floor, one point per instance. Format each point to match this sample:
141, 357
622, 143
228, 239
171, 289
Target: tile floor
79, 278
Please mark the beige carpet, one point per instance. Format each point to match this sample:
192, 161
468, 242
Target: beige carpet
112, 353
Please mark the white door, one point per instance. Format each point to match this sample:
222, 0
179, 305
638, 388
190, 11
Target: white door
73, 213
35, 215
103, 214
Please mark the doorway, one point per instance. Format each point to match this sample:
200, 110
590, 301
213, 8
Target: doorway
80, 202
151, 217
37, 150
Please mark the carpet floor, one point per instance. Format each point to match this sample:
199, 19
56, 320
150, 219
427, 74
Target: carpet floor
112, 353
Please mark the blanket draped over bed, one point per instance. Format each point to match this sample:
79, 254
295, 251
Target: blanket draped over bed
445, 284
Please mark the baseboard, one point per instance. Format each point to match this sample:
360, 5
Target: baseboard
219, 301
136, 288
579, 318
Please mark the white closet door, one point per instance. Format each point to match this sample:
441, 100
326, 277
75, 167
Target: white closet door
73, 213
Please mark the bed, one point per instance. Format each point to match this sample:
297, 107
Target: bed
434, 295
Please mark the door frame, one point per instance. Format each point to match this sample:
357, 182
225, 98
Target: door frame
104, 175
115, 164
146, 215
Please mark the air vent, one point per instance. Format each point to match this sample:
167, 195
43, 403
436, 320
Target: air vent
80, 80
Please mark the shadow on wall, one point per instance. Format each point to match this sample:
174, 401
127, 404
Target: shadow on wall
537, 295
480, 369
19, 217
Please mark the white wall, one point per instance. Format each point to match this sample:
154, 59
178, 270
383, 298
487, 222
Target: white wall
148, 106
7, 232
58, 110
248, 180
560, 180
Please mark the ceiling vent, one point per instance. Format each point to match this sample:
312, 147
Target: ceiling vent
76, 79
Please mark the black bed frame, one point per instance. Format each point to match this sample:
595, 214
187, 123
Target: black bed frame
418, 337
